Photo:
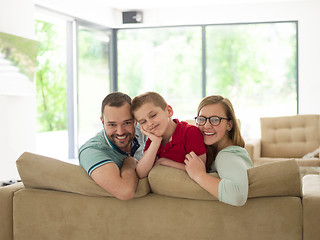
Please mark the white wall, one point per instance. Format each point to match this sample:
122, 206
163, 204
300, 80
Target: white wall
90, 10
18, 113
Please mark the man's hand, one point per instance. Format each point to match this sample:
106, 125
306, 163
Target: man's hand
121, 183
129, 163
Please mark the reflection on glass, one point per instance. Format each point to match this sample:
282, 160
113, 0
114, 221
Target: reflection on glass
165, 60
254, 65
93, 79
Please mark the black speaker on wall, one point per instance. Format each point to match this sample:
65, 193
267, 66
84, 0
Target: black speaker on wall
132, 17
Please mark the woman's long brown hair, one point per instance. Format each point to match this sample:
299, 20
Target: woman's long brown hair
234, 133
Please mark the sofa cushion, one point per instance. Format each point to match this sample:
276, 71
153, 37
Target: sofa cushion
42, 172
273, 179
173, 182
303, 162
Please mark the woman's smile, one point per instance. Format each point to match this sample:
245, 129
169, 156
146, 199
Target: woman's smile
208, 133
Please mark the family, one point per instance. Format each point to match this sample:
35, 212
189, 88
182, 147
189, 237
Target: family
139, 133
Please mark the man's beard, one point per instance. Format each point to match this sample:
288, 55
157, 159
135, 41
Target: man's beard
124, 145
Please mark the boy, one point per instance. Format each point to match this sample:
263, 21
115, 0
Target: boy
168, 139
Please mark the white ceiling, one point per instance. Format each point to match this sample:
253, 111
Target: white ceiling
151, 4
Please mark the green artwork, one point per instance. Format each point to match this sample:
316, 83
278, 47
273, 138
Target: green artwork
18, 59
18, 52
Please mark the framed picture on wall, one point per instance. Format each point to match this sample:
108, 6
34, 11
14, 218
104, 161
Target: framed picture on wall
18, 60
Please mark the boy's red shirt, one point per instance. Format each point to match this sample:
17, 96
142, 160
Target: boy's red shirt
186, 138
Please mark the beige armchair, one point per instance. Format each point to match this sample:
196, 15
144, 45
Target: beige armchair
284, 138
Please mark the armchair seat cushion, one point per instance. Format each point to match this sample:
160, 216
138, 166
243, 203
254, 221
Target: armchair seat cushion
289, 136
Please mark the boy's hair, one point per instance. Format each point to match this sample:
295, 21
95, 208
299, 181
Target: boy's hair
115, 99
148, 97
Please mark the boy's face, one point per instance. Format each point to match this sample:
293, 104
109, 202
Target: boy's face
119, 125
154, 119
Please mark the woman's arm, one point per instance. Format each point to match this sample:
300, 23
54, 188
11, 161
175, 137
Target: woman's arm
232, 187
196, 169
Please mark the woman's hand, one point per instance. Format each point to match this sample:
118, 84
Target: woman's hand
195, 167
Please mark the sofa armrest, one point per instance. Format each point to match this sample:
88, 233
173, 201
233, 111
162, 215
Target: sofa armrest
6, 210
253, 147
311, 207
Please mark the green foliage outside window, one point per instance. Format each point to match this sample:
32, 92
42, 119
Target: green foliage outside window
50, 79
165, 60
252, 63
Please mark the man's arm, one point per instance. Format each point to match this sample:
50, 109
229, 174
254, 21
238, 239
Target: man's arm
121, 183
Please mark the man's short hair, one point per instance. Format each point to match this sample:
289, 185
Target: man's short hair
115, 99
148, 97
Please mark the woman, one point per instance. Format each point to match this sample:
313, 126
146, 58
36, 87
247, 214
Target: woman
225, 153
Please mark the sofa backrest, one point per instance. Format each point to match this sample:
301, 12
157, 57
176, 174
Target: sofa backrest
269, 180
289, 136
274, 179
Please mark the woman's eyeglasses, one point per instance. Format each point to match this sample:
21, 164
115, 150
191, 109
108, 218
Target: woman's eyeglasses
213, 120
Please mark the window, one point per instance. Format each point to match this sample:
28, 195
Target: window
71, 83
255, 66
51, 86
165, 60
93, 79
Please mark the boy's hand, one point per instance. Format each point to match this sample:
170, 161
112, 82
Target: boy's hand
163, 161
169, 163
151, 136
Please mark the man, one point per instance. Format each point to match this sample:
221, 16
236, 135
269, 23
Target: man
111, 156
